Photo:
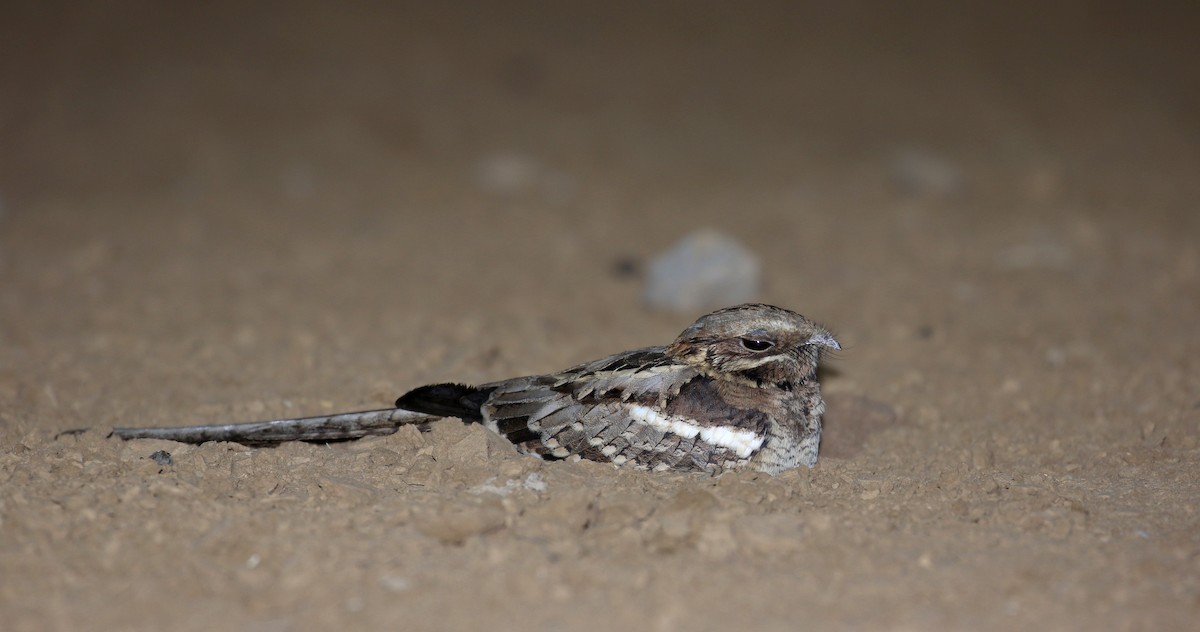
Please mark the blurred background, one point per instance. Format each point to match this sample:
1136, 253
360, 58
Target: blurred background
236, 210
321, 179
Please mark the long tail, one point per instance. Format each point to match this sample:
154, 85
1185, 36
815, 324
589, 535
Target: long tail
337, 427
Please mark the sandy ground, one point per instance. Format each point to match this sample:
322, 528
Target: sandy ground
236, 213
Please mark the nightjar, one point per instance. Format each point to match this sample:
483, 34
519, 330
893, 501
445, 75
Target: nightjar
738, 388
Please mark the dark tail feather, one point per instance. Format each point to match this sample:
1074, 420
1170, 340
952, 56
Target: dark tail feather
446, 400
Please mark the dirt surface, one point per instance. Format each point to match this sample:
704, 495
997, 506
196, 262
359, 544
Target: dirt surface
246, 211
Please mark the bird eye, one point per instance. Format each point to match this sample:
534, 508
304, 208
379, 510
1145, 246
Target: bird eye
754, 344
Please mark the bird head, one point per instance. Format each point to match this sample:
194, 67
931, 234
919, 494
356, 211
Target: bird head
754, 343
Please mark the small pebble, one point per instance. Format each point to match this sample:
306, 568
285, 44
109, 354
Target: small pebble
921, 172
506, 172
705, 270
626, 268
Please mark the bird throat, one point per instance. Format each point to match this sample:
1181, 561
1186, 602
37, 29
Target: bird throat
770, 375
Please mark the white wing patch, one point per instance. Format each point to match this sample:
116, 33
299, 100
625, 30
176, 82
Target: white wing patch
743, 443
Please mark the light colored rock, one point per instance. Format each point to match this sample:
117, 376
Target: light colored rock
921, 172
705, 270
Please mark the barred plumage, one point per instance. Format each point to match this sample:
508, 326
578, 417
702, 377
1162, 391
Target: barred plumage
737, 388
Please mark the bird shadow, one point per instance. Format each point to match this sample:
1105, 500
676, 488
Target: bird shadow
850, 421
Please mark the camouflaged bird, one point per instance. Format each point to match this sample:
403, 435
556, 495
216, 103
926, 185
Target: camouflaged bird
738, 388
